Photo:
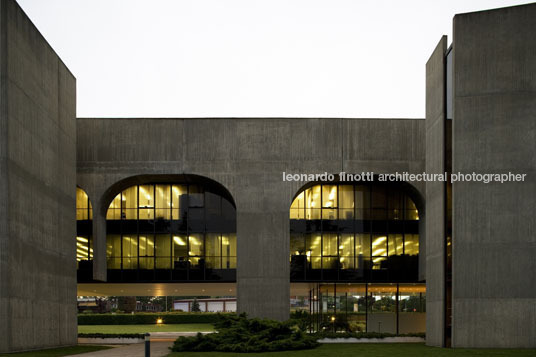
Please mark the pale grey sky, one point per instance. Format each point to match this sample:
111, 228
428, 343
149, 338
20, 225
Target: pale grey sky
248, 58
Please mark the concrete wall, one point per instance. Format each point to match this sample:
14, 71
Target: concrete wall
435, 196
248, 157
494, 130
37, 189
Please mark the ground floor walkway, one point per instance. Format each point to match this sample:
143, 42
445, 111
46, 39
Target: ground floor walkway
159, 348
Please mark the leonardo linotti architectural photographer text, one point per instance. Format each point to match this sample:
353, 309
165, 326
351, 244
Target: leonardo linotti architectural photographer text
406, 176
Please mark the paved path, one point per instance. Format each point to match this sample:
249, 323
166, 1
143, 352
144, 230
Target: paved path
158, 349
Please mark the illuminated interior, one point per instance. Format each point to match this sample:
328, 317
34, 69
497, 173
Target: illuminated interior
171, 232
84, 216
354, 232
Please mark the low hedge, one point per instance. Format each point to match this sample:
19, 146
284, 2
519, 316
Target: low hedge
150, 318
111, 335
358, 335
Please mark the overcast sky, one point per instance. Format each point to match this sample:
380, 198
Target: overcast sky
248, 58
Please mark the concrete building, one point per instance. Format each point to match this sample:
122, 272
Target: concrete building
200, 206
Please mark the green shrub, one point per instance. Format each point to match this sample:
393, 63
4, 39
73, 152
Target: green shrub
300, 319
149, 318
243, 335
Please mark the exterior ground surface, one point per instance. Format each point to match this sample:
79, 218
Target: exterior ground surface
145, 328
373, 350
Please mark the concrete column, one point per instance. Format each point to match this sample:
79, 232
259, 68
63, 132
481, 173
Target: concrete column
435, 196
494, 224
263, 271
99, 243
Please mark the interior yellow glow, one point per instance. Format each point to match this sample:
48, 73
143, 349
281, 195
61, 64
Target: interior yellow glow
82, 239
179, 240
378, 251
378, 240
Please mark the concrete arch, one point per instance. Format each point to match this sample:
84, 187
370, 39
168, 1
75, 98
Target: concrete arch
100, 208
412, 191
121, 185
406, 187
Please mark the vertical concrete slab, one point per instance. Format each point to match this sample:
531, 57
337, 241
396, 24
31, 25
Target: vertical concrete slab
5, 327
38, 182
494, 131
435, 196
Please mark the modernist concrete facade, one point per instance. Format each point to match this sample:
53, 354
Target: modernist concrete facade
476, 240
37, 190
248, 157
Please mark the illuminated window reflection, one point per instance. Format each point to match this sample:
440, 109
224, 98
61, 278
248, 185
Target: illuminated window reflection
84, 241
349, 232
171, 232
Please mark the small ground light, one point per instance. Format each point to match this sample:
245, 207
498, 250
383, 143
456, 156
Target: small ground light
332, 318
159, 321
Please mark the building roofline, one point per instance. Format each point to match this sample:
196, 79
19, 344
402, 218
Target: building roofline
237, 118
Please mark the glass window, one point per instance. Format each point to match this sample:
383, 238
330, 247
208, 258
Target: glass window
297, 209
395, 205
411, 211
362, 225
113, 251
114, 210
379, 245
180, 251
130, 246
396, 244
130, 252
329, 244
213, 204
163, 251
411, 244
312, 202
82, 248
83, 206
228, 242
297, 244
213, 245
313, 243
146, 202
362, 246
146, 251
362, 202
346, 251
163, 202
196, 196
329, 196
412, 298
196, 242
179, 199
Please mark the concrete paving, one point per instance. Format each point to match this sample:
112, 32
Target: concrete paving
158, 349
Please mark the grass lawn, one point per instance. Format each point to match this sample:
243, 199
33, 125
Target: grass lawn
56, 352
372, 350
145, 328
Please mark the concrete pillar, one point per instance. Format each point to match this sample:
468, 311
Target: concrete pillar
435, 196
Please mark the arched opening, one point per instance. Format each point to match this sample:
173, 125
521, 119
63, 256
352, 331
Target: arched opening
84, 235
165, 229
356, 245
